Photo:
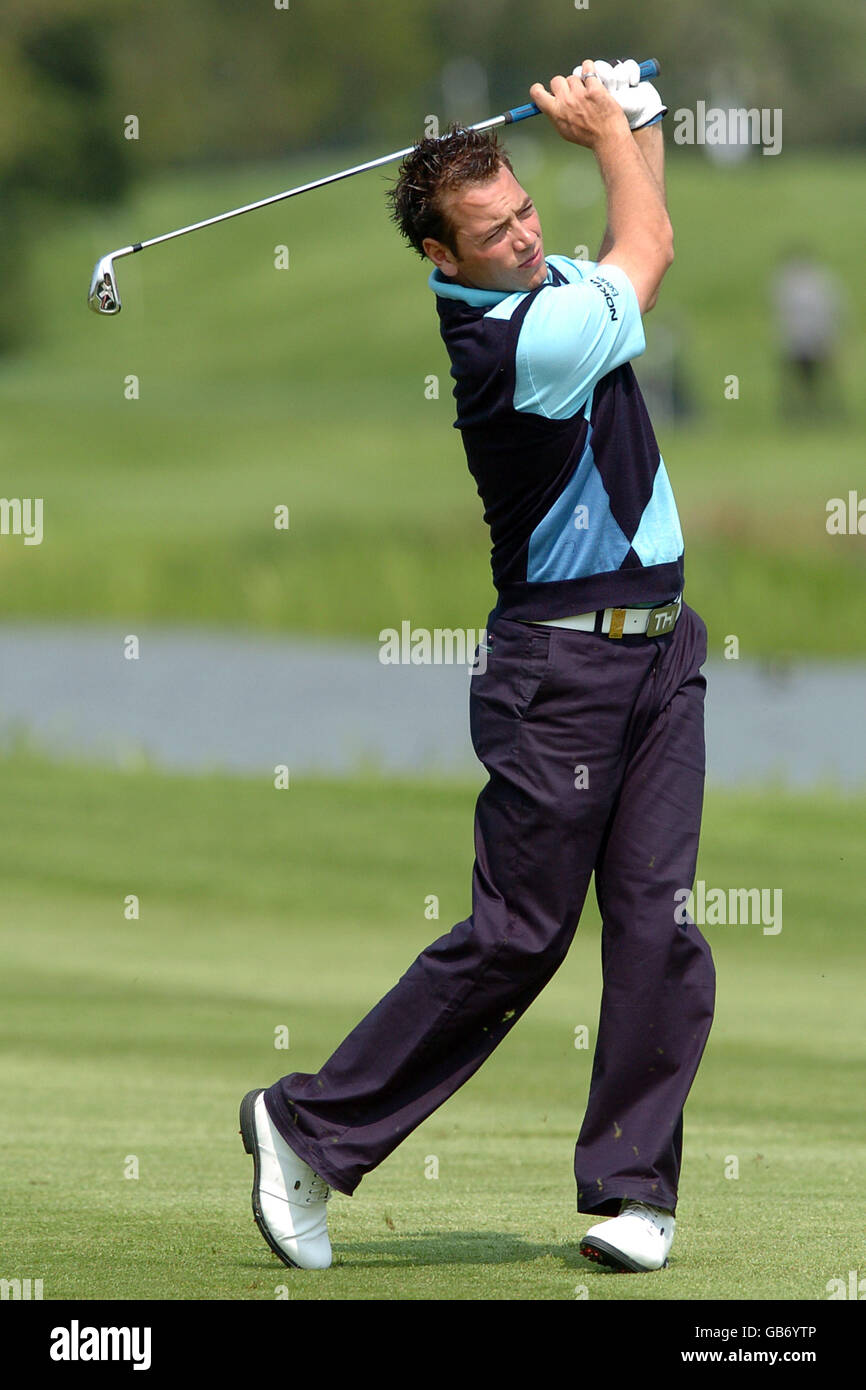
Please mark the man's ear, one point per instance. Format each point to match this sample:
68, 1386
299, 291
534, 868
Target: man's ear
441, 256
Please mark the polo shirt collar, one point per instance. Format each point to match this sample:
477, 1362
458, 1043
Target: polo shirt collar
446, 288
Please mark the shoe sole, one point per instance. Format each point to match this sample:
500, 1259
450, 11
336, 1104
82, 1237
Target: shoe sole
603, 1254
248, 1134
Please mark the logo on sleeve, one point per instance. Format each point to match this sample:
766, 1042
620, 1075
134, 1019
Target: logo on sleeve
610, 293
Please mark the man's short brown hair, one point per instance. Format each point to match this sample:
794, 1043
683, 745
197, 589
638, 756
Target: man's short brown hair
440, 165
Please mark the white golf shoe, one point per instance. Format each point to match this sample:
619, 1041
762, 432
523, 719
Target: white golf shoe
288, 1197
639, 1239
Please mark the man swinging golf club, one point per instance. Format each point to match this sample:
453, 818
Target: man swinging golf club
587, 713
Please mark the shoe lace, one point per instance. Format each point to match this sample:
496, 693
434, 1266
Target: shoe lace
644, 1209
319, 1189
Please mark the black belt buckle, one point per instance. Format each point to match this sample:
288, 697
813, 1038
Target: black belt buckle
662, 620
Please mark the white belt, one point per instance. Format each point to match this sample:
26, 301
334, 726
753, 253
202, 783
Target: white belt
624, 622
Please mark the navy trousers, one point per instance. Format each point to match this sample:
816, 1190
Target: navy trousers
595, 753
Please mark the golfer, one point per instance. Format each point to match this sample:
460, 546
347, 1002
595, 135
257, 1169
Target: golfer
587, 712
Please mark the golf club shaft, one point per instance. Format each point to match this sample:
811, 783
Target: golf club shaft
648, 69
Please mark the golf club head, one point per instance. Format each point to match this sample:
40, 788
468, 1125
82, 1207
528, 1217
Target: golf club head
104, 296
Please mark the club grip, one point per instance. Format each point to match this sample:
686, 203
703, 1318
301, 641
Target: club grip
648, 69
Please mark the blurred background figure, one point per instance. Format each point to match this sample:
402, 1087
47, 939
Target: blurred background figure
807, 306
663, 370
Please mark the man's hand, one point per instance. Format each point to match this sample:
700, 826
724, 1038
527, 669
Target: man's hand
639, 100
581, 108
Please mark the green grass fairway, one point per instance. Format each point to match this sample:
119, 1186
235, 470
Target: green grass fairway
310, 387
131, 1042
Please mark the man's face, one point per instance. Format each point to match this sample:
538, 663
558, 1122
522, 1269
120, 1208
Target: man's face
498, 243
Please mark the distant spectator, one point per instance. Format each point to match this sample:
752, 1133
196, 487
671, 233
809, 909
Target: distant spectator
664, 373
808, 310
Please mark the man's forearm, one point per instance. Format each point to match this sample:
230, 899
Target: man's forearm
650, 142
585, 113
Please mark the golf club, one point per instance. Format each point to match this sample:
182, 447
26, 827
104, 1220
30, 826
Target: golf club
104, 296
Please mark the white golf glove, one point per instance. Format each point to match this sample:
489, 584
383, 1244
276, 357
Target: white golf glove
639, 100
